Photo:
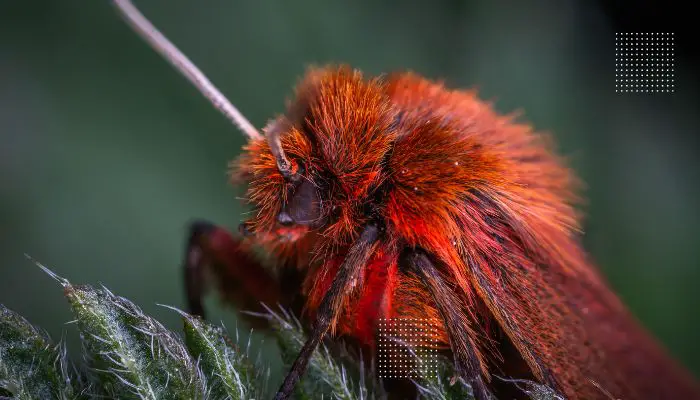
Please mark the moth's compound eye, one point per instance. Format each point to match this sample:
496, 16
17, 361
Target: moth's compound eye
303, 205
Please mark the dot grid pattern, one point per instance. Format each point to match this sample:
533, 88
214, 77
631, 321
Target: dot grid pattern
407, 347
644, 62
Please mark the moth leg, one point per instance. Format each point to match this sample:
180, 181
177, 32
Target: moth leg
331, 305
464, 349
240, 278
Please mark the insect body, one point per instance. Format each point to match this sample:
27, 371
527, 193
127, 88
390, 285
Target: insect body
396, 197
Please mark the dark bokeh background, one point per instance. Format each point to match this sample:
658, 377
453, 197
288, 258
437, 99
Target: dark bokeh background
106, 152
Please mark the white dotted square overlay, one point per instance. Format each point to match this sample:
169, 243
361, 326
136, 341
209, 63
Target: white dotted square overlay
644, 62
407, 348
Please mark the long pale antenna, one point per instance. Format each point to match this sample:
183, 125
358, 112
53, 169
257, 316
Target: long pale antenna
162, 45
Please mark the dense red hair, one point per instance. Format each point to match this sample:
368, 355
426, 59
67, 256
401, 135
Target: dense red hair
484, 195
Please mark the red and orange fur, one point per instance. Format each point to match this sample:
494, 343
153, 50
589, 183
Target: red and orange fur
482, 194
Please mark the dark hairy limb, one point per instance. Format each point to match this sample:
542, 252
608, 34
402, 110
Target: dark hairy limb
194, 261
240, 278
331, 305
447, 302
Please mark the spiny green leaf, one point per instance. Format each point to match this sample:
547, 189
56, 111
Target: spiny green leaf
324, 376
133, 355
535, 390
437, 383
31, 367
228, 369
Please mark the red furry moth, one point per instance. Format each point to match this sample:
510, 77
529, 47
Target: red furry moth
396, 197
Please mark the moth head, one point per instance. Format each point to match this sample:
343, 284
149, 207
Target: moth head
283, 184
325, 154
319, 163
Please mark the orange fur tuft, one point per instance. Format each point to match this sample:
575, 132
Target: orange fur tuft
484, 196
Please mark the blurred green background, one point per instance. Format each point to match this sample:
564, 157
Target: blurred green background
106, 152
